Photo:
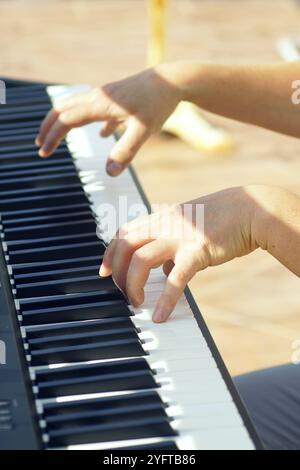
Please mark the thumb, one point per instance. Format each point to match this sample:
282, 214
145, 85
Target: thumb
126, 147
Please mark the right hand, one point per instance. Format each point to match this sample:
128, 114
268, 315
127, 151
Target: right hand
141, 103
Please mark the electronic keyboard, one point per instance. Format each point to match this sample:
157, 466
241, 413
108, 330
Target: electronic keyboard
79, 367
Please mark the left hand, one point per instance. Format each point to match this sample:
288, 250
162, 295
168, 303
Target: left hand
172, 239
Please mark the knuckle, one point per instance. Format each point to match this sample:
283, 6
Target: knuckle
179, 277
139, 259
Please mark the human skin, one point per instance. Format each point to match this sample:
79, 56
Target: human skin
237, 220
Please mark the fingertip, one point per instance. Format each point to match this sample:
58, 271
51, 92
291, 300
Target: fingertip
104, 271
114, 168
43, 153
37, 142
159, 315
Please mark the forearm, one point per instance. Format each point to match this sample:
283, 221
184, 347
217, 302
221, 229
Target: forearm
276, 224
256, 94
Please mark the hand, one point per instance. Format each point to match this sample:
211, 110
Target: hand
141, 103
172, 238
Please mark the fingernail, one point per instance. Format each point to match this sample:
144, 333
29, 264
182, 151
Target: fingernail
42, 153
113, 168
37, 141
102, 271
159, 315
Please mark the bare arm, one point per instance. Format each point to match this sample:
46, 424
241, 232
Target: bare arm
237, 221
257, 94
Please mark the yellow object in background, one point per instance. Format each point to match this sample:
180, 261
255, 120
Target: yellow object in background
186, 122
157, 42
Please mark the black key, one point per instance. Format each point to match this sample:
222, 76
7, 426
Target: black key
17, 164
20, 125
43, 170
129, 374
74, 263
65, 286
55, 412
87, 349
27, 131
106, 410
85, 326
121, 429
58, 274
49, 230
50, 242
40, 181
80, 337
62, 209
57, 301
46, 218
52, 200
70, 185
82, 311
56, 252
24, 109
33, 154
20, 118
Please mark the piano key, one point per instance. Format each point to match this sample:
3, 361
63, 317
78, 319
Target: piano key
25, 109
40, 219
64, 286
127, 374
84, 326
19, 132
13, 125
69, 186
33, 154
39, 181
8, 165
58, 274
52, 200
61, 264
49, 230
61, 209
80, 338
22, 117
67, 251
136, 428
44, 169
87, 349
51, 241
82, 311
57, 411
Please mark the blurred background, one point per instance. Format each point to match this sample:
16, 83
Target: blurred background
251, 305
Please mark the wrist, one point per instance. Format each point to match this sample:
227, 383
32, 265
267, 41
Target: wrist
184, 76
265, 210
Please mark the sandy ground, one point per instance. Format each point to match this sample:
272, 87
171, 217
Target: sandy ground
252, 304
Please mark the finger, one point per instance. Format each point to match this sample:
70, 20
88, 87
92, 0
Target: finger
108, 128
137, 231
106, 265
46, 125
126, 147
142, 261
52, 115
74, 117
122, 255
176, 282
